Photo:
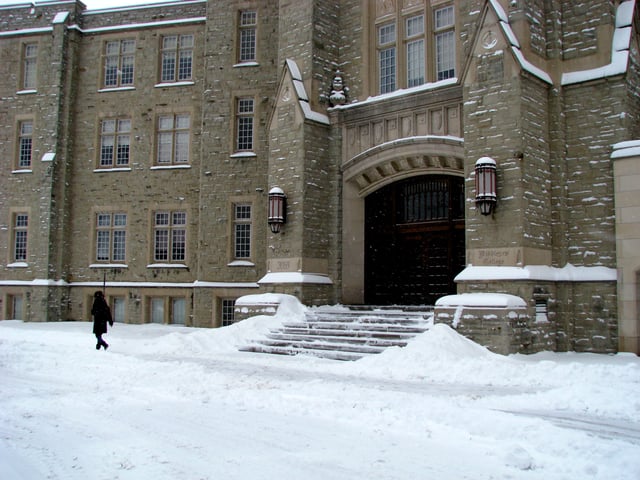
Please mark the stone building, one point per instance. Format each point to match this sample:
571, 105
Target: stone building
418, 149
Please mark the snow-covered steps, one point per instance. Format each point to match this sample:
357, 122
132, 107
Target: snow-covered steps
345, 332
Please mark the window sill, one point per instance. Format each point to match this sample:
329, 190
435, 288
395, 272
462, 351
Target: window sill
18, 265
175, 84
170, 167
27, 92
116, 89
117, 169
23, 170
246, 64
108, 265
167, 265
241, 263
243, 155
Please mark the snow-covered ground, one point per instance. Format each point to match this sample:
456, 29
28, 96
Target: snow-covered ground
168, 402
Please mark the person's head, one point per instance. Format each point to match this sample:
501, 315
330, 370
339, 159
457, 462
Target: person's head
98, 294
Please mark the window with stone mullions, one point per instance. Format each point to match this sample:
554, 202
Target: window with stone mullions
115, 142
173, 139
242, 231
111, 237
415, 51
170, 235
119, 63
387, 57
247, 41
25, 144
228, 312
445, 43
244, 120
30, 54
20, 237
177, 50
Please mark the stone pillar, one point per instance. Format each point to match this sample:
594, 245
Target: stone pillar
626, 167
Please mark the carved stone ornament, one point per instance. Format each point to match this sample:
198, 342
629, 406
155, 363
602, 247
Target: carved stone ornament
339, 91
489, 40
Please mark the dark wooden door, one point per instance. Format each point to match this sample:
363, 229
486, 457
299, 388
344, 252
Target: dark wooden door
414, 240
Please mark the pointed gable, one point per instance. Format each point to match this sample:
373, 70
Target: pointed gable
292, 93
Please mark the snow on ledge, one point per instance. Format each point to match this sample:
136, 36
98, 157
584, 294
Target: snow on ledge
619, 50
568, 273
484, 300
626, 149
301, 93
295, 277
280, 304
60, 17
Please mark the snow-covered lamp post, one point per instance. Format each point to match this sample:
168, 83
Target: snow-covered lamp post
277, 209
486, 185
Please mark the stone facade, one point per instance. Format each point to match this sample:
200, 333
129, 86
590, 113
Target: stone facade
545, 88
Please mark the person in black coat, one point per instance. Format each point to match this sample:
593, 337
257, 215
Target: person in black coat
101, 316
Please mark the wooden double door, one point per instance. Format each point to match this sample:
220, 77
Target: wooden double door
414, 240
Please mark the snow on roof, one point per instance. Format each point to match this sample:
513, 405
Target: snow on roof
401, 92
196, 284
619, 54
619, 50
502, 15
133, 26
525, 64
27, 31
568, 273
91, 9
630, 148
60, 17
303, 98
486, 300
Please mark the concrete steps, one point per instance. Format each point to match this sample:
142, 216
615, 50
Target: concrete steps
345, 332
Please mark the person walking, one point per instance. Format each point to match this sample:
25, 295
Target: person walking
101, 316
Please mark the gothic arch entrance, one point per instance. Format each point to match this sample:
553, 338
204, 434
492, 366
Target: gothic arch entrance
414, 240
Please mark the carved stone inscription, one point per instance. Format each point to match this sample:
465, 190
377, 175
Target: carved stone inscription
488, 257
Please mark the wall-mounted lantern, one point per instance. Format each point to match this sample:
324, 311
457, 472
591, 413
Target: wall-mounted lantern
486, 185
277, 209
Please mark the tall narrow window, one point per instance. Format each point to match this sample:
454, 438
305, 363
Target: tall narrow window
178, 311
177, 58
115, 143
242, 231
118, 309
30, 54
170, 237
244, 119
247, 40
17, 311
156, 310
387, 57
445, 43
173, 139
25, 144
119, 63
20, 227
111, 237
228, 312
415, 50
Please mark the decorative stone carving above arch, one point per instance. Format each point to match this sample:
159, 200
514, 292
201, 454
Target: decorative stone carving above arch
408, 157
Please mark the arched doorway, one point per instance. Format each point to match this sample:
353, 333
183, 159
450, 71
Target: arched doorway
414, 240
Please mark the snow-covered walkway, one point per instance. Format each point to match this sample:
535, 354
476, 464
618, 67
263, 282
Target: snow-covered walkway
172, 402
